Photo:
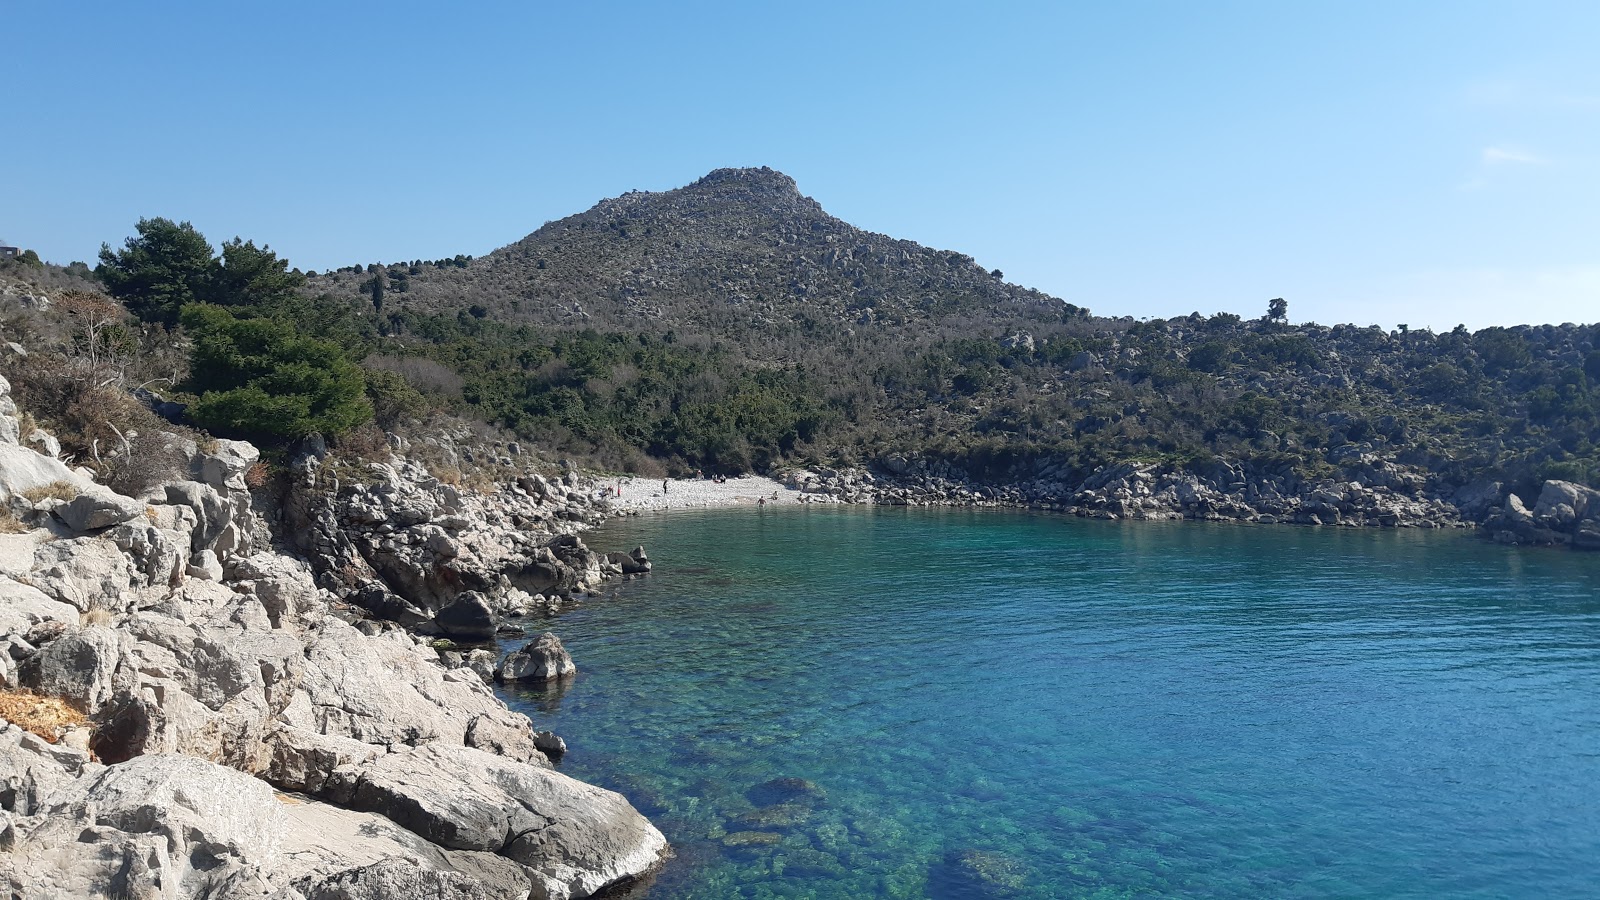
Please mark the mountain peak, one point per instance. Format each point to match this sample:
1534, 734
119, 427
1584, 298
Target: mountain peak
762, 177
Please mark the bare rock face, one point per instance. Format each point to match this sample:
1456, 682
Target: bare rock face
34, 769
574, 838
88, 573
22, 607
385, 691
79, 666
542, 659
224, 465
173, 826
340, 854
194, 828
393, 877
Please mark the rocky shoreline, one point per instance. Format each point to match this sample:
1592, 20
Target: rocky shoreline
258, 723
1367, 492
284, 681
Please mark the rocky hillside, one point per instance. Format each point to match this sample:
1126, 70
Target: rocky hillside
741, 254
732, 324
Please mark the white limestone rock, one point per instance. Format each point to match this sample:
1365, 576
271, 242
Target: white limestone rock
573, 837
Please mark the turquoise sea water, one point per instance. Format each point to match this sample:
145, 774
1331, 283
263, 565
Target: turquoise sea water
979, 704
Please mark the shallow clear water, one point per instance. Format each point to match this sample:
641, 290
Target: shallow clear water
1011, 705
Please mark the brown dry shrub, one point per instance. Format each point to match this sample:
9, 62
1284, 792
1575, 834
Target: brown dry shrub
10, 524
47, 717
154, 457
88, 416
259, 473
366, 443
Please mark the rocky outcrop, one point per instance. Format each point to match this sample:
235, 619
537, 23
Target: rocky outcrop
411, 549
573, 837
180, 827
1565, 513
540, 660
216, 672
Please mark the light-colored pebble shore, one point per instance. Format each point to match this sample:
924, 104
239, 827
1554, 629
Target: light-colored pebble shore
694, 493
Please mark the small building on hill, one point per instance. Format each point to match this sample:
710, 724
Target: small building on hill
9, 252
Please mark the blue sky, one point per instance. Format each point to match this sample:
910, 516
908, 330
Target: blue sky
1419, 163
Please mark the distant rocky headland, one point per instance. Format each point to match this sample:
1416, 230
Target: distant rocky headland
262, 527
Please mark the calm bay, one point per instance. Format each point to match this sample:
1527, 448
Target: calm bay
849, 702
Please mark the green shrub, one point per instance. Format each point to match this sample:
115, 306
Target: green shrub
260, 378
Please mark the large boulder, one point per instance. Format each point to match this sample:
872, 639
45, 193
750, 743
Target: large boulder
542, 659
302, 760
87, 572
1566, 503
1516, 512
78, 666
283, 585
23, 470
24, 606
574, 838
223, 466
213, 512
97, 508
635, 563
468, 617
330, 853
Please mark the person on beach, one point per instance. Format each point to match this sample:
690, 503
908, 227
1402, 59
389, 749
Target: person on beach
663, 485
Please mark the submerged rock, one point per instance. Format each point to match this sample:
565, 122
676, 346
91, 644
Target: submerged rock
751, 839
785, 790
982, 874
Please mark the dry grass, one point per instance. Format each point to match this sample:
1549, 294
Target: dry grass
47, 717
57, 490
10, 524
96, 616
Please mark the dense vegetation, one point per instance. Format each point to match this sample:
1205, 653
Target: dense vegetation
732, 324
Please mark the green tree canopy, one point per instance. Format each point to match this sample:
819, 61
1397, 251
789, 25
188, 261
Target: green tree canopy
258, 377
254, 276
169, 264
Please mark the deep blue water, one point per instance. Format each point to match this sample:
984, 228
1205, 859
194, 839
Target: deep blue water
1011, 705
